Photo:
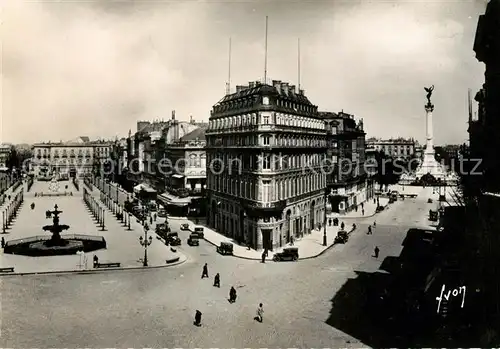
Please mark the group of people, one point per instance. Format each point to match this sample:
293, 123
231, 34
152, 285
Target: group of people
232, 297
376, 250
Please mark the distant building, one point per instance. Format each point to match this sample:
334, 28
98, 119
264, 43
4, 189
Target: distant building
5, 151
77, 157
397, 148
348, 183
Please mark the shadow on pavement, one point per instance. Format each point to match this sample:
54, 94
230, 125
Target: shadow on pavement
390, 308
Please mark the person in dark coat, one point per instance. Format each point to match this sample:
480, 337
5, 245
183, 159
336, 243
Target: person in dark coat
217, 280
232, 295
197, 318
96, 261
204, 274
32, 205
264, 257
377, 251
3, 242
369, 230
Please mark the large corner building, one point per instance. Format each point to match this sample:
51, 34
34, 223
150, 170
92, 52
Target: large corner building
266, 144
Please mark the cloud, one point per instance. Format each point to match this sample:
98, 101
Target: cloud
95, 68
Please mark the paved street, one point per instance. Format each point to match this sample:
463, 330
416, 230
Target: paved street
307, 304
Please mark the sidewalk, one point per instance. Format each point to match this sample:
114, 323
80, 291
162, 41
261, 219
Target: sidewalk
370, 208
310, 245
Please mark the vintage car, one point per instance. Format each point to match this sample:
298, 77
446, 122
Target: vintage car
433, 216
288, 254
199, 231
173, 239
193, 240
342, 237
225, 248
185, 226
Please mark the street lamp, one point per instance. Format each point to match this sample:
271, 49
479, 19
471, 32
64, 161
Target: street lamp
145, 242
324, 223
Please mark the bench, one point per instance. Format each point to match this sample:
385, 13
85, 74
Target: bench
7, 270
108, 265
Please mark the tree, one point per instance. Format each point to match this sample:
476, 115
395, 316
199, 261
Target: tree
12, 161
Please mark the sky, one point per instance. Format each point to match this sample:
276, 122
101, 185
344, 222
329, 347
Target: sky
93, 68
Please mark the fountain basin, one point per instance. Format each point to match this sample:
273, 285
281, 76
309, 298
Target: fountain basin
36, 246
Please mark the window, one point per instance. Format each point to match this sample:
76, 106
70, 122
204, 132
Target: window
265, 100
266, 139
266, 162
265, 120
266, 186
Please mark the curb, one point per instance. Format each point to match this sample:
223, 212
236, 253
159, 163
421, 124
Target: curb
270, 259
95, 271
361, 217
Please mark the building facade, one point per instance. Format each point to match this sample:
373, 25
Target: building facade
265, 149
74, 158
398, 148
348, 182
189, 164
5, 152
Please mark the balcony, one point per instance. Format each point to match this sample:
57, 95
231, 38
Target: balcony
254, 208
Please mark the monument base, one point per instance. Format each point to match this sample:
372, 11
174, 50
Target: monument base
430, 166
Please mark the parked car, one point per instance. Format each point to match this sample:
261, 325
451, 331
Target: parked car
198, 235
173, 239
185, 226
288, 254
193, 240
225, 248
199, 231
342, 237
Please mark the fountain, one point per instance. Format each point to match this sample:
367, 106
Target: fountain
56, 244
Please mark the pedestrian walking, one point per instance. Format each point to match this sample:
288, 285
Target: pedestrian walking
150, 220
330, 222
264, 257
374, 224
154, 217
291, 240
204, 274
377, 250
3, 242
369, 230
217, 280
232, 295
342, 225
362, 211
260, 313
197, 318
362, 206
96, 261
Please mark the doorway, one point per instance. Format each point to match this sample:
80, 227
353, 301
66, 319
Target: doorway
267, 242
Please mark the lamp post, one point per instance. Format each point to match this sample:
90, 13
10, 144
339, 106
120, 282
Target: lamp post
102, 227
324, 223
146, 242
3, 222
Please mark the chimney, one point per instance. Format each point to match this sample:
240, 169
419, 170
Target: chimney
251, 84
239, 88
284, 87
173, 114
301, 92
191, 120
292, 88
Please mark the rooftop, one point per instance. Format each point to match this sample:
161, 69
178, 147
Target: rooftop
195, 135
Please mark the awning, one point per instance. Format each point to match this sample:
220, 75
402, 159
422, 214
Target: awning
177, 176
143, 187
169, 199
